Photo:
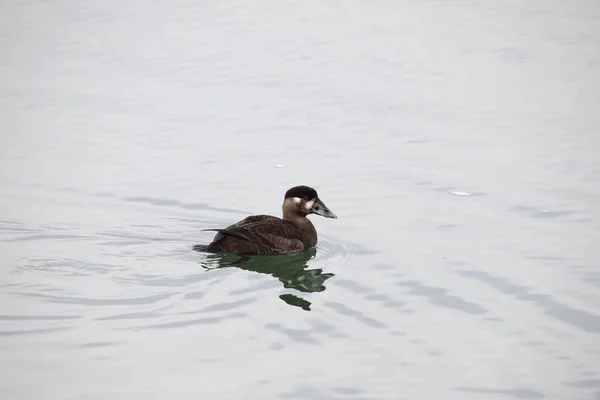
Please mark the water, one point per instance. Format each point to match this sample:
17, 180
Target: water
456, 141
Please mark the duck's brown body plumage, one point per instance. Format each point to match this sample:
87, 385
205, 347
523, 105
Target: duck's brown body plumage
261, 234
269, 235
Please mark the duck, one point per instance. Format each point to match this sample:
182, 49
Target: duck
270, 235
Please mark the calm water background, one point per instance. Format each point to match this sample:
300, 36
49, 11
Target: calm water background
127, 127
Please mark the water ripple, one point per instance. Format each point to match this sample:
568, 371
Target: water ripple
518, 393
166, 281
66, 267
339, 392
298, 335
345, 310
88, 301
581, 319
37, 317
49, 235
440, 297
32, 331
187, 206
195, 321
226, 306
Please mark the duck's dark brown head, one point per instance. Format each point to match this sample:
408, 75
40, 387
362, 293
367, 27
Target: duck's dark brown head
304, 200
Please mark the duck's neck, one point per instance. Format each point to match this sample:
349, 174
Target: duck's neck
301, 222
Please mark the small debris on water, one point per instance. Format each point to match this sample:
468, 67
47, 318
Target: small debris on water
460, 193
279, 166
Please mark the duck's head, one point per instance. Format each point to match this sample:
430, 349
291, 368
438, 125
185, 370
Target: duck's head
304, 200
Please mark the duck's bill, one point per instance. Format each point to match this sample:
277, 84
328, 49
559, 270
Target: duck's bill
321, 209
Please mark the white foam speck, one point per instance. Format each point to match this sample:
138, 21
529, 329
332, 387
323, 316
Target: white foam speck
460, 193
279, 166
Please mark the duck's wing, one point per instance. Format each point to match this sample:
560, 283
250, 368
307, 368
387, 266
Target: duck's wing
245, 222
253, 219
270, 232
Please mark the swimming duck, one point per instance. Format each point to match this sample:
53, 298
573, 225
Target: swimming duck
269, 235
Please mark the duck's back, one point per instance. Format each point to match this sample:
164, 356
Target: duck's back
259, 234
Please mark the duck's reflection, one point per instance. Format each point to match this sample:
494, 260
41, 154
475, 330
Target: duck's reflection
290, 269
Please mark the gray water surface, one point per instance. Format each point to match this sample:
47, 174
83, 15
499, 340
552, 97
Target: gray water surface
457, 142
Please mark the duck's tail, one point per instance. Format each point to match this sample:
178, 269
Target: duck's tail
200, 247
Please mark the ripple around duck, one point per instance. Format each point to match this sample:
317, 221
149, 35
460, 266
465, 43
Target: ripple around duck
332, 249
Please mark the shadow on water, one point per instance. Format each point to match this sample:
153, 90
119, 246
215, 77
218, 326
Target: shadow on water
290, 269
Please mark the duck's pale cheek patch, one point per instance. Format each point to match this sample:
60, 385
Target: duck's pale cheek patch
309, 204
297, 200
